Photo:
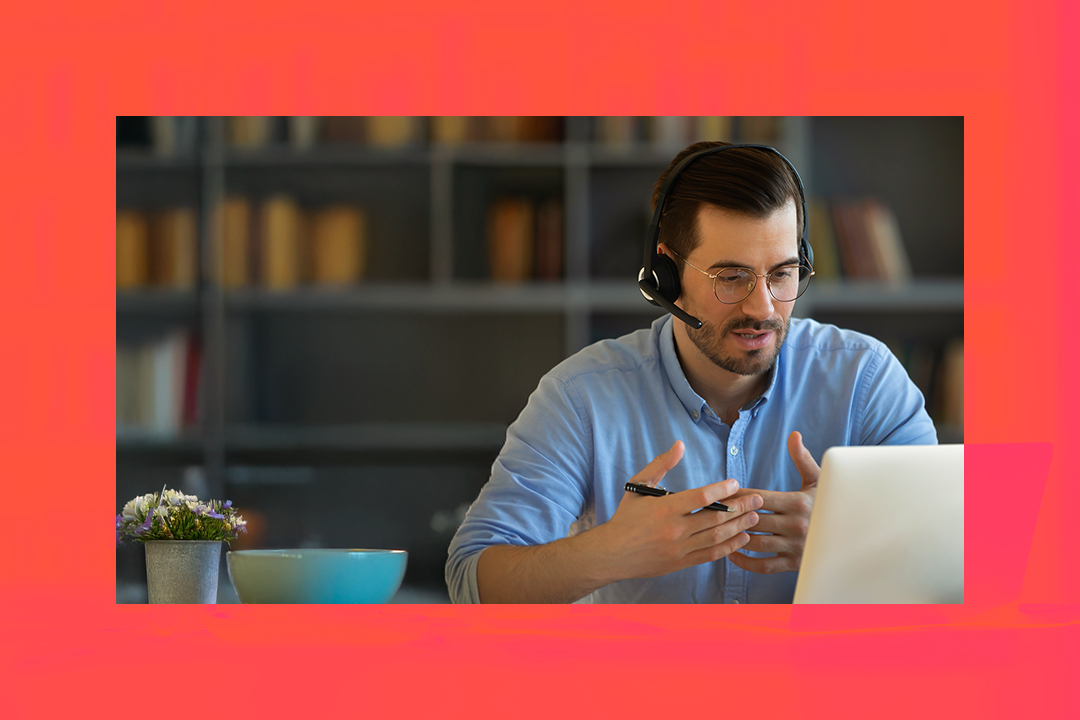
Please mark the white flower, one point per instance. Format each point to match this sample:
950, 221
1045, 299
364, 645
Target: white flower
174, 497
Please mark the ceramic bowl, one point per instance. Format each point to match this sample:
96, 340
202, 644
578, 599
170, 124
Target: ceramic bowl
316, 575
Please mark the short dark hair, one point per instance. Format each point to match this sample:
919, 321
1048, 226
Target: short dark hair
750, 181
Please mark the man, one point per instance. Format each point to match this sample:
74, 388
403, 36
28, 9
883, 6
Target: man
735, 410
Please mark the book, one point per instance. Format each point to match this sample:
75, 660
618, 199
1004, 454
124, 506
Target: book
713, 128
303, 131
169, 368
452, 130
670, 133
343, 129
157, 385
855, 252
252, 131
388, 131
951, 385
883, 231
127, 368
191, 412
234, 258
549, 240
541, 129
282, 235
172, 135
822, 240
511, 238
338, 245
766, 130
617, 133
132, 250
174, 253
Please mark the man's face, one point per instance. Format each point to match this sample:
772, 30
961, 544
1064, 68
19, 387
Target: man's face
744, 338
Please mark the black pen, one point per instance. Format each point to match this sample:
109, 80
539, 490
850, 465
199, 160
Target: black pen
661, 492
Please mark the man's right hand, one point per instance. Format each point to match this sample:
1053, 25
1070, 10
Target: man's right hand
646, 537
649, 536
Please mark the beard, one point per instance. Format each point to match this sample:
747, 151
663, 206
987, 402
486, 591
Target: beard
710, 340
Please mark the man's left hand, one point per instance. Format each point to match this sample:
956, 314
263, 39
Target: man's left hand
789, 521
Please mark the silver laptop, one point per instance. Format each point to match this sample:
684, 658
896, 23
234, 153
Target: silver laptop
887, 527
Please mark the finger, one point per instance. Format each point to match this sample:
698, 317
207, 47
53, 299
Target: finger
769, 543
716, 552
654, 472
722, 532
804, 461
775, 501
695, 498
765, 566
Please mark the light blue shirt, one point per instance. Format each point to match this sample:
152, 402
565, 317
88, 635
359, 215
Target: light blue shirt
599, 417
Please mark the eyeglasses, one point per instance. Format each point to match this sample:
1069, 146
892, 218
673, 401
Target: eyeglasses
734, 284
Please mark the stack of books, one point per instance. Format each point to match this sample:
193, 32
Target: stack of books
525, 239
278, 245
157, 249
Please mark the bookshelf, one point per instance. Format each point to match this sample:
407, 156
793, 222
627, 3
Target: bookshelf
412, 374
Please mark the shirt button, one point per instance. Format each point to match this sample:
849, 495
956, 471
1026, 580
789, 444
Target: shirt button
694, 414
734, 451
733, 602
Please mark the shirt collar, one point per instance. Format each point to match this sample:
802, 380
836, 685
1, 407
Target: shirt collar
694, 403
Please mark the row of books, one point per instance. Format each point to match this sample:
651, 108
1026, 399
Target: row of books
277, 244
172, 135
157, 385
157, 248
674, 132
525, 239
857, 240
274, 243
939, 372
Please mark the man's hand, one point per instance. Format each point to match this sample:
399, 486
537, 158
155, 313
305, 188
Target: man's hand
788, 523
648, 537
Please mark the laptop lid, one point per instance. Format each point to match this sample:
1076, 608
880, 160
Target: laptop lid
887, 527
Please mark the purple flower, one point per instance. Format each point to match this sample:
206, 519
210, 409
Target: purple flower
228, 503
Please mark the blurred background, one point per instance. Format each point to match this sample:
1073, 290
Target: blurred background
331, 321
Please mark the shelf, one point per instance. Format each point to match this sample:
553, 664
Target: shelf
331, 155
157, 301
136, 445
136, 160
374, 441
925, 295
614, 296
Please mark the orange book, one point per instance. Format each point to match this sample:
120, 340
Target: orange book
132, 250
338, 245
392, 131
511, 231
234, 225
549, 240
282, 228
175, 249
452, 130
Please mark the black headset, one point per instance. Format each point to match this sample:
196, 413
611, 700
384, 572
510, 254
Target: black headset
658, 279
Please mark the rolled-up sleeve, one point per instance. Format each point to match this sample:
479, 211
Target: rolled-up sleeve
892, 409
539, 484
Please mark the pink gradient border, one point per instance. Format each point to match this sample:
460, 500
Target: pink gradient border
1010, 68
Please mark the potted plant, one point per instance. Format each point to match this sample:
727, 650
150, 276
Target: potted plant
182, 536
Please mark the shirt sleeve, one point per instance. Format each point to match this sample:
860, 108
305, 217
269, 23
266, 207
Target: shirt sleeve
893, 410
539, 485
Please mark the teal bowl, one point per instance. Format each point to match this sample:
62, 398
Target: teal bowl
316, 575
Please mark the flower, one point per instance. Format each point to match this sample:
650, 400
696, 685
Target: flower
172, 515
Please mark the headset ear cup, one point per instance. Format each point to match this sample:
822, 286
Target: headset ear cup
667, 277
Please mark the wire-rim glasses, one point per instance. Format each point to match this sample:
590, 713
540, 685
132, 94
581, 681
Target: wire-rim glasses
732, 285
